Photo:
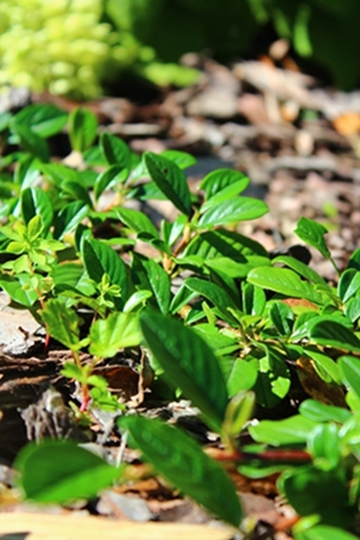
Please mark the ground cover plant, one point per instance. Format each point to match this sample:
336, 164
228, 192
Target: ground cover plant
218, 319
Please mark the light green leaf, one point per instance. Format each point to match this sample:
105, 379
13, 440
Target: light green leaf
350, 368
228, 212
69, 218
117, 331
218, 180
61, 471
292, 430
62, 323
44, 119
137, 221
283, 281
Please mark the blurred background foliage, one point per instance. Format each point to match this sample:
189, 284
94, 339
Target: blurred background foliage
80, 48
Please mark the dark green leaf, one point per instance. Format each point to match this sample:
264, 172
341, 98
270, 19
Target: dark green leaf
171, 180
137, 221
116, 151
32, 142
312, 491
83, 126
115, 174
183, 463
352, 309
43, 119
100, 259
350, 368
228, 212
58, 173
214, 294
253, 299
313, 233
76, 191
349, 284
160, 284
220, 179
282, 318
333, 334
35, 202
224, 243
61, 471
188, 362
69, 218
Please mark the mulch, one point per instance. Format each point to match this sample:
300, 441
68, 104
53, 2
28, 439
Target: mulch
299, 143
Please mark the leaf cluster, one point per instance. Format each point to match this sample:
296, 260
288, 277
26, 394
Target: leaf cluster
218, 320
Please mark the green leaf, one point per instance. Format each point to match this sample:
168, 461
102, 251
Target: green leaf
69, 218
293, 430
352, 309
117, 331
83, 126
183, 463
228, 212
253, 299
160, 284
182, 159
218, 180
58, 173
43, 119
115, 174
333, 334
188, 362
62, 323
350, 368
32, 142
242, 377
324, 532
14, 288
273, 380
312, 491
61, 471
35, 202
225, 194
116, 151
325, 364
349, 284
301, 268
137, 221
76, 191
313, 233
136, 299
224, 243
321, 412
171, 180
324, 446
100, 259
282, 318
283, 281
214, 293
